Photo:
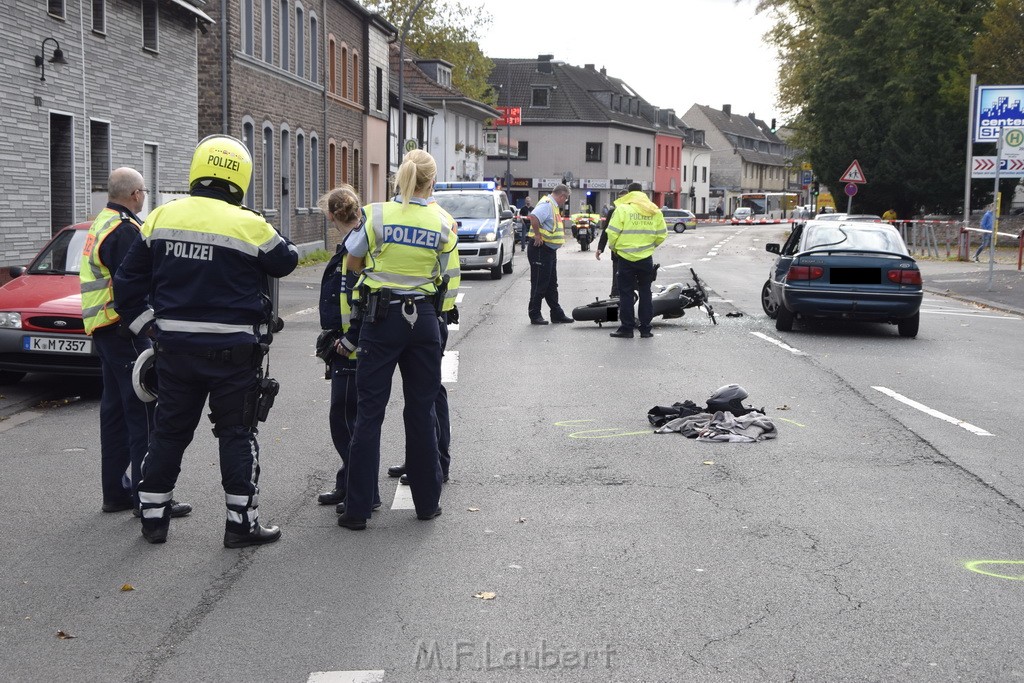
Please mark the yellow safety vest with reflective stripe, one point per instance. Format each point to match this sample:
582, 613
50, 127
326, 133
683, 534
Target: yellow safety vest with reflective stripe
94, 275
346, 309
634, 234
452, 269
556, 235
408, 248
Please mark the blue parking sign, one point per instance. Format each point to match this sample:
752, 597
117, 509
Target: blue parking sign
806, 177
997, 106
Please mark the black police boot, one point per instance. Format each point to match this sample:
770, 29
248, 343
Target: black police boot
331, 497
396, 471
430, 515
175, 508
353, 523
156, 533
258, 536
340, 507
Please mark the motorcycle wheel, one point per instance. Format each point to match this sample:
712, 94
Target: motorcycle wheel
604, 311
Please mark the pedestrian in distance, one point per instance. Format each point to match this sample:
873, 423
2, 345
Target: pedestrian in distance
407, 248
634, 232
125, 420
889, 217
987, 224
547, 234
602, 245
340, 336
199, 278
524, 223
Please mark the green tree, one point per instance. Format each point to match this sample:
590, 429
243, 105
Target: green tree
448, 31
884, 83
998, 54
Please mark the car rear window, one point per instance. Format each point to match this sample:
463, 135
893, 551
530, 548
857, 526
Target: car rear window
466, 205
854, 238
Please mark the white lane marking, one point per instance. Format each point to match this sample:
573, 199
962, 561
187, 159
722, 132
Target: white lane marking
450, 367
304, 311
403, 498
781, 345
676, 265
346, 677
459, 297
931, 411
453, 327
970, 314
17, 419
706, 259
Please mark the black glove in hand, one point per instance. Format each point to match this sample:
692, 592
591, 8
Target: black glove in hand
453, 316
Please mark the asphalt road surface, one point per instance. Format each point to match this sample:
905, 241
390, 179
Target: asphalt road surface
880, 537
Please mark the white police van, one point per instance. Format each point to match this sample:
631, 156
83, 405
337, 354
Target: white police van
486, 234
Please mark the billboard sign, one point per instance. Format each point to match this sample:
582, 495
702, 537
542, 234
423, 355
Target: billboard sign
997, 106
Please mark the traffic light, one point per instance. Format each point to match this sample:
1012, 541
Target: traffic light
693, 192
814, 188
773, 126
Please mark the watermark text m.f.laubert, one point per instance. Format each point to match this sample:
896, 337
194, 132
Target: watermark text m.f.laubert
485, 655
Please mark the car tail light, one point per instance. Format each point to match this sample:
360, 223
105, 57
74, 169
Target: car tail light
905, 277
805, 273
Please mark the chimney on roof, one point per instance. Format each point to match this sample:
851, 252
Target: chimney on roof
752, 116
588, 67
727, 110
604, 72
544, 64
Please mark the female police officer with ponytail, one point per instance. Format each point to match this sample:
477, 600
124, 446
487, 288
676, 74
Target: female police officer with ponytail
407, 247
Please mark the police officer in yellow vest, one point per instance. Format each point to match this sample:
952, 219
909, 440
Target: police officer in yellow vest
199, 276
340, 336
125, 421
406, 248
548, 234
635, 230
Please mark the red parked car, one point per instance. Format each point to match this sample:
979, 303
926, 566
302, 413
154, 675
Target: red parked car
41, 326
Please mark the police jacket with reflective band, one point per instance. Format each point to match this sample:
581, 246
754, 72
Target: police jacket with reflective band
203, 264
453, 271
636, 228
556, 234
106, 245
349, 325
409, 248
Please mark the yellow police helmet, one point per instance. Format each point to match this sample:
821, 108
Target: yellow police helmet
222, 157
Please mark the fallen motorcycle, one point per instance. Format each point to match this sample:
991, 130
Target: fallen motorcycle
668, 302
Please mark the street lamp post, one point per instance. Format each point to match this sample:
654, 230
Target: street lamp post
401, 75
693, 179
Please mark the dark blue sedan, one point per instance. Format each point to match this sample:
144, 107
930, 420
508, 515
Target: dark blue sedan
843, 269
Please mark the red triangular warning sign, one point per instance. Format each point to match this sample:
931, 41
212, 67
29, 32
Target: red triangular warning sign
853, 174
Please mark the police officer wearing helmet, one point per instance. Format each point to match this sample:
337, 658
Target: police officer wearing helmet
634, 231
124, 419
406, 248
202, 264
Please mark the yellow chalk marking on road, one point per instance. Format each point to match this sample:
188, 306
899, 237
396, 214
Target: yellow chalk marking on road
595, 433
569, 423
974, 566
791, 422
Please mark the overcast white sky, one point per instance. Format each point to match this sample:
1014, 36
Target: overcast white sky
707, 52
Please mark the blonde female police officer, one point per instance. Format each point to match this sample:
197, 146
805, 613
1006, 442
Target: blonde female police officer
200, 272
406, 248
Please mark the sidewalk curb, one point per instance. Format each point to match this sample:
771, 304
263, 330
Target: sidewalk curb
1005, 308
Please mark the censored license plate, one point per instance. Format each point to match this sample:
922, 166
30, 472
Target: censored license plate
56, 345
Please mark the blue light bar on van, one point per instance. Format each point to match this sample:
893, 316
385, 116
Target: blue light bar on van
484, 185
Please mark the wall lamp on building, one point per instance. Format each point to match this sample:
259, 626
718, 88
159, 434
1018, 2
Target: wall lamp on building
57, 58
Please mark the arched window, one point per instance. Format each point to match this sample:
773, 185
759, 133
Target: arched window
332, 68
314, 49
344, 164
314, 168
344, 71
268, 166
301, 199
355, 169
247, 26
355, 76
332, 173
300, 41
286, 35
248, 139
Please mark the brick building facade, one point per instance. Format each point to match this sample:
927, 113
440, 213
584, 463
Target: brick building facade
125, 96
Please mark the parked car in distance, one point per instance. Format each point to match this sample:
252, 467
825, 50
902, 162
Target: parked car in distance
486, 232
744, 214
679, 219
843, 269
41, 327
